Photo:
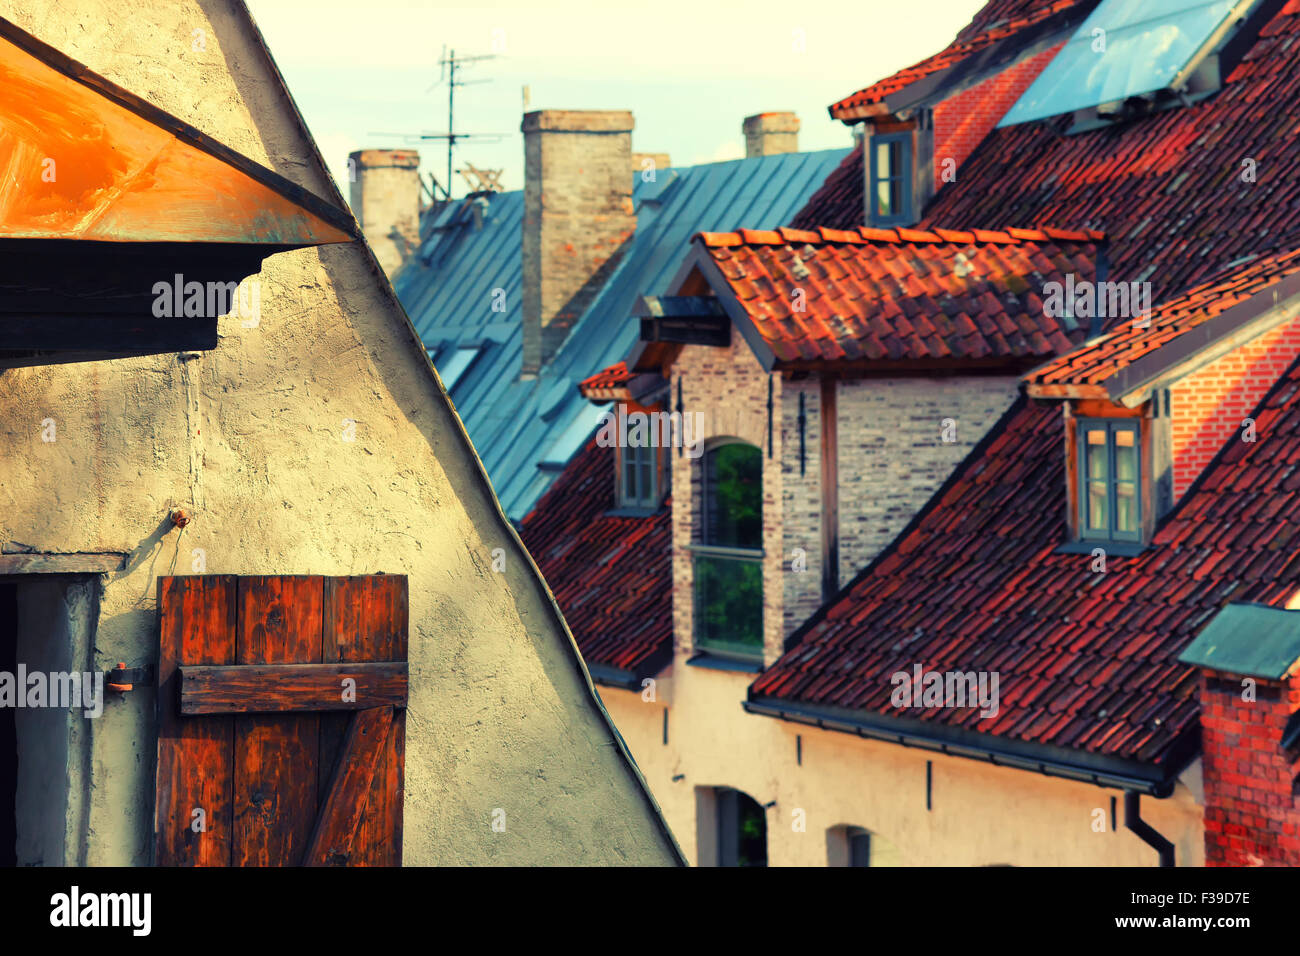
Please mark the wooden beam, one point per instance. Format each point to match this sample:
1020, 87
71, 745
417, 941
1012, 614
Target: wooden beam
90, 562
345, 803
278, 688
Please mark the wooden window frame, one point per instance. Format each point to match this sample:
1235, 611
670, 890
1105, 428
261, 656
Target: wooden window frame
630, 497
1111, 426
904, 175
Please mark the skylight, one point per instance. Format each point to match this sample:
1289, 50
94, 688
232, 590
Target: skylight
1127, 48
573, 437
455, 362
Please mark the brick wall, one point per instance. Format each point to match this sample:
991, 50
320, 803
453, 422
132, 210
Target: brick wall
891, 461
1251, 817
961, 121
892, 456
1209, 405
730, 388
801, 502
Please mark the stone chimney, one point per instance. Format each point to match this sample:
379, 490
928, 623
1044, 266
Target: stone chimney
386, 200
769, 134
578, 214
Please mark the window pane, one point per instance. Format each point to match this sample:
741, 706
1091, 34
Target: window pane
1126, 460
629, 476
1096, 453
884, 167
884, 198
1126, 510
729, 603
646, 488
1097, 506
733, 502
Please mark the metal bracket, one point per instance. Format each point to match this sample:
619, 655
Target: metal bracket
122, 678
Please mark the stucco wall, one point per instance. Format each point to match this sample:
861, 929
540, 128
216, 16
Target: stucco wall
980, 814
250, 438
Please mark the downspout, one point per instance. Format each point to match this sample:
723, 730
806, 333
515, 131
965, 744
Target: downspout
1146, 832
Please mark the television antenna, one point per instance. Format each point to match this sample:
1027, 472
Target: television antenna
451, 66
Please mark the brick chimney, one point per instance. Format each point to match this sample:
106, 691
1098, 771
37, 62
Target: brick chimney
386, 200
769, 134
578, 214
1250, 735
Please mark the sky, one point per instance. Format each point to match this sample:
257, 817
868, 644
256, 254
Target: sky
365, 73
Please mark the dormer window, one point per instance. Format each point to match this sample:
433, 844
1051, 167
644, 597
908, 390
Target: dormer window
1109, 480
890, 192
638, 477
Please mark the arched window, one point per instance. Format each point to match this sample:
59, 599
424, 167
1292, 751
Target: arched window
729, 552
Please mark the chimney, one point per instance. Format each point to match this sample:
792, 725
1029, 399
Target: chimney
578, 213
769, 134
1250, 735
646, 165
386, 200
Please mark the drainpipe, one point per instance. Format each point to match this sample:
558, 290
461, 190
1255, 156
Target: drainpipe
1146, 832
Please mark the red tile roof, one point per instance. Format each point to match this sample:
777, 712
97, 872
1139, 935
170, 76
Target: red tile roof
1087, 661
611, 575
1172, 191
996, 21
1097, 361
874, 295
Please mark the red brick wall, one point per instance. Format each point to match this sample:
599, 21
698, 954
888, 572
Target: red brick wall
1209, 405
1250, 814
963, 120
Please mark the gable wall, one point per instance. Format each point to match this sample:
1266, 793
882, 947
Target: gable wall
250, 438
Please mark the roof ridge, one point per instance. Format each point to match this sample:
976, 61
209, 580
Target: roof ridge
867, 235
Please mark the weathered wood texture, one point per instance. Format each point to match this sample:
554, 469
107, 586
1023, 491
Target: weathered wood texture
349, 791
277, 688
45, 563
195, 757
301, 784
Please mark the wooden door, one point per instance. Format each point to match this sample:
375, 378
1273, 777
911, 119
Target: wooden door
281, 720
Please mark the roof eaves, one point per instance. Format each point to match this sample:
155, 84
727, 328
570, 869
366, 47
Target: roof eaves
1205, 343
952, 741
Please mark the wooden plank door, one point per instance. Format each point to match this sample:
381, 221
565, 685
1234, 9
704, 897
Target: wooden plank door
281, 720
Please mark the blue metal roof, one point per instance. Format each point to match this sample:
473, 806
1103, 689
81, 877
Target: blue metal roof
464, 287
